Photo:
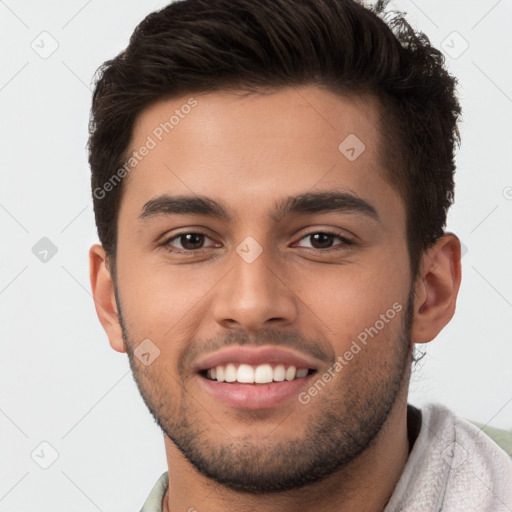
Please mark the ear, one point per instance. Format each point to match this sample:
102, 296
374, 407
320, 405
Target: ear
104, 297
436, 288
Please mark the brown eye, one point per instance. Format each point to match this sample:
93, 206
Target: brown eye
186, 242
321, 240
191, 241
324, 240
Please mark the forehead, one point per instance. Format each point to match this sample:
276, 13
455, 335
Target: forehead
252, 149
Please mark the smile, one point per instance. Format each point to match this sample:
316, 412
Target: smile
255, 374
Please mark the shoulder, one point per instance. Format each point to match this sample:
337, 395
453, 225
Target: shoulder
503, 438
453, 466
478, 471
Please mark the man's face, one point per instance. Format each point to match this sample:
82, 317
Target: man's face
261, 279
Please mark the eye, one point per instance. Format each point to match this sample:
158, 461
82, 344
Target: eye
322, 240
190, 242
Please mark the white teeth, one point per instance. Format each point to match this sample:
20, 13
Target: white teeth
261, 374
245, 374
290, 373
230, 374
279, 373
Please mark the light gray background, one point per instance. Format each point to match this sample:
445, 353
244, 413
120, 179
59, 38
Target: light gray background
61, 383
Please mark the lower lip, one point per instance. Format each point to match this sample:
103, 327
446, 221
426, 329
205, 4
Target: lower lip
255, 396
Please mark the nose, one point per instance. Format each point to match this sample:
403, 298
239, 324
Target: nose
254, 295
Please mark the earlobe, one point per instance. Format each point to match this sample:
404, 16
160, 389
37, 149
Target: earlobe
104, 297
436, 289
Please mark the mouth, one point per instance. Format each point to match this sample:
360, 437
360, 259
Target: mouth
255, 377
255, 374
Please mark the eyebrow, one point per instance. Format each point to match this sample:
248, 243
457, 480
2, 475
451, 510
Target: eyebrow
309, 202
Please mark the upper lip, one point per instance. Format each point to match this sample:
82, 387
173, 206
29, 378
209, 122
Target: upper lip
256, 356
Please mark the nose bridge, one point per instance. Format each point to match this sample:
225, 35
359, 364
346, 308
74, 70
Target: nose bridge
253, 272
253, 292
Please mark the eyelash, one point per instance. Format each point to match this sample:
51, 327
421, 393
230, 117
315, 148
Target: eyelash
346, 242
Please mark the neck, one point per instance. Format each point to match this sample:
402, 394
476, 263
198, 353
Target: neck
366, 484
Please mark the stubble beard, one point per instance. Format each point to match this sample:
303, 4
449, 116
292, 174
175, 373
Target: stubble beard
343, 424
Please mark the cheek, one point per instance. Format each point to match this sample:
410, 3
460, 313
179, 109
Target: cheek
163, 302
357, 302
